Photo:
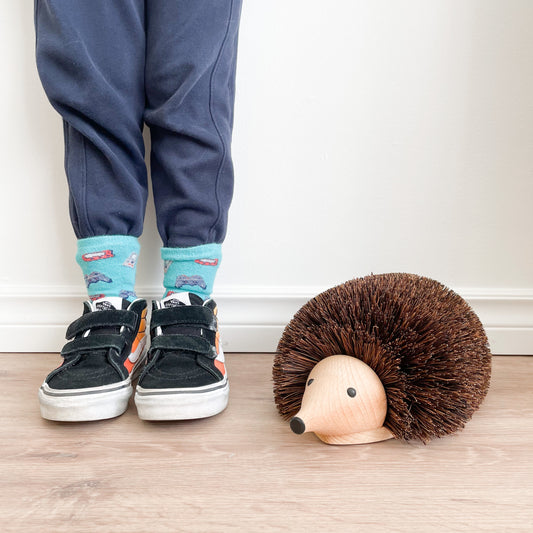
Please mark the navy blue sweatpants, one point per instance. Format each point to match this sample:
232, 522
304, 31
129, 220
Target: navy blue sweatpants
111, 66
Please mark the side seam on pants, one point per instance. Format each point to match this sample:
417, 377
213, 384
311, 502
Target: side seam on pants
226, 148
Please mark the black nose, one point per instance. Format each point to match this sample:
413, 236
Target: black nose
297, 425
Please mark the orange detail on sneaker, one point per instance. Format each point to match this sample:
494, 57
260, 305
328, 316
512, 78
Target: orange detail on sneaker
129, 365
140, 336
217, 342
220, 365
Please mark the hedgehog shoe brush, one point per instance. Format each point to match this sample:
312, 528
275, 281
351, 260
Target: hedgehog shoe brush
344, 403
421, 364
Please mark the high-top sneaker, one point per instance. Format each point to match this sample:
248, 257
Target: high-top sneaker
185, 376
99, 363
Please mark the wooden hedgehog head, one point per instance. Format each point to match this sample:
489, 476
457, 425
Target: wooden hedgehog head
411, 362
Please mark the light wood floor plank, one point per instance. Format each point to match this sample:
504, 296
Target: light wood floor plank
245, 471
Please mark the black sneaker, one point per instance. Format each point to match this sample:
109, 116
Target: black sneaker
185, 376
105, 355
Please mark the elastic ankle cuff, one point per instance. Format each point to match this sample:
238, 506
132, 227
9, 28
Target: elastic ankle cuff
110, 240
208, 251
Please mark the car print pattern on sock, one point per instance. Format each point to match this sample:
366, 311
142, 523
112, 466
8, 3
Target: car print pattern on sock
126, 295
207, 262
95, 256
131, 260
192, 281
95, 277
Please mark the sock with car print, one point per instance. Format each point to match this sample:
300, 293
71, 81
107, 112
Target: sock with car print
109, 263
192, 269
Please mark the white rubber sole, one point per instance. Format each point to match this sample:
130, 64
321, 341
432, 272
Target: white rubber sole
81, 405
182, 404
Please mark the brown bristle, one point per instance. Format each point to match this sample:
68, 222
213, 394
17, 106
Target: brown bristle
423, 340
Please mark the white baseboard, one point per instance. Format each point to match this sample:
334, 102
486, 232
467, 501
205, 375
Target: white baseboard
252, 319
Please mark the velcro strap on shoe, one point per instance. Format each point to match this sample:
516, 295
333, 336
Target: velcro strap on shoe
189, 343
190, 315
99, 319
94, 342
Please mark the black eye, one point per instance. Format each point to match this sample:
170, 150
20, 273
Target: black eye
310, 381
351, 392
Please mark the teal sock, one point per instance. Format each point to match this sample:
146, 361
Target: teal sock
191, 269
109, 263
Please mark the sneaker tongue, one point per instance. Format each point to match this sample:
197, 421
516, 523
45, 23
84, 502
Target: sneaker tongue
105, 304
111, 302
181, 298
176, 299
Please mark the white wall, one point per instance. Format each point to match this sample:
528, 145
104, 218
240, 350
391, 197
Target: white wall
369, 137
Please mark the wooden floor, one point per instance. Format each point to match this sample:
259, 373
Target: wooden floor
245, 471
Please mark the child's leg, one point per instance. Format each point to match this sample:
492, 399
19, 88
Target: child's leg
90, 57
190, 75
191, 51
